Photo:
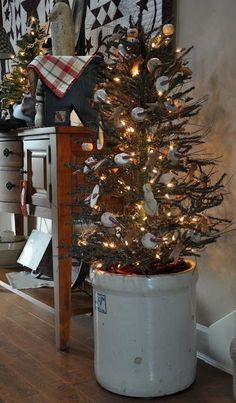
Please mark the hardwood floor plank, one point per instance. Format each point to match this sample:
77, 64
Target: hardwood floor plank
33, 371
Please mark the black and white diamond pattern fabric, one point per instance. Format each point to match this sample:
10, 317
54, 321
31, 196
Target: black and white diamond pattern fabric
15, 14
103, 15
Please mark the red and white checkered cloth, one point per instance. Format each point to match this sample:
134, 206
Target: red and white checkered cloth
59, 72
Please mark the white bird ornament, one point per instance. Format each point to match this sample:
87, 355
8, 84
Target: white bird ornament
109, 220
150, 203
149, 241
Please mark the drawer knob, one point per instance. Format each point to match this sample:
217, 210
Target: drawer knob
10, 185
7, 152
22, 171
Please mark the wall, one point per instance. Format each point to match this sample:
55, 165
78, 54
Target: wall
209, 25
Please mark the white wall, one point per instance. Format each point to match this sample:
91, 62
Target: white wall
210, 26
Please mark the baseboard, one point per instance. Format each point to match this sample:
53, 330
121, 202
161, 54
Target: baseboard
213, 342
214, 363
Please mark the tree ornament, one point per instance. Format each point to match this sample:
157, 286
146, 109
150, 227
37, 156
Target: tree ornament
162, 84
171, 156
170, 106
179, 103
109, 220
138, 114
194, 236
100, 96
87, 146
100, 140
168, 29
153, 64
121, 50
150, 203
149, 241
122, 159
88, 163
132, 39
132, 32
92, 199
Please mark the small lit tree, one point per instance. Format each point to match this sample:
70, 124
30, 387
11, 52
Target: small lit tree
15, 84
153, 185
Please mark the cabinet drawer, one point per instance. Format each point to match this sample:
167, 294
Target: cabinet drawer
11, 154
10, 186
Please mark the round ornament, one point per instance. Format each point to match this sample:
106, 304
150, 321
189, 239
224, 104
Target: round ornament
153, 64
87, 146
138, 114
149, 241
109, 220
168, 29
132, 32
122, 159
162, 84
100, 95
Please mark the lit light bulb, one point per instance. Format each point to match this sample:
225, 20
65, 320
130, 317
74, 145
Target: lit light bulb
122, 122
135, 70
167, 196
160, 157
181, 219
160, 93
130, 130
117, 79
168, 214
170, 185
142, 229
158, 256
105, 244
178, 50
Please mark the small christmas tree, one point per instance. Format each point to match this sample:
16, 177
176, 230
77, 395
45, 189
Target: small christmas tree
15, 84
153, 185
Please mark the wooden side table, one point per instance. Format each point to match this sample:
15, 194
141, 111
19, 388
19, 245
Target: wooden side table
46, 154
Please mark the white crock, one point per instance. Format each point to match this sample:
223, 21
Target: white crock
145, 332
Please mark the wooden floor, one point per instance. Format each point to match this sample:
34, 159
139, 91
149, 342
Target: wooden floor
33, 371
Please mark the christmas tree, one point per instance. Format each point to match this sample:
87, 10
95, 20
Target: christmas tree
152, 186
15, 84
